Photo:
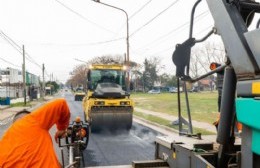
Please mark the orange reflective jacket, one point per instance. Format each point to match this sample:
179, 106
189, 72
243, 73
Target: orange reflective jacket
27, 143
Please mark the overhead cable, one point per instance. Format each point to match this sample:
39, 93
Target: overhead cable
87, 44
83, 17
139, 10
151, 20
135, 13
17, 47
8, 62
169, 48
197, 18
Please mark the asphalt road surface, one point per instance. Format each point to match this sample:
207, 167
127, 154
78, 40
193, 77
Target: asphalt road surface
108, 148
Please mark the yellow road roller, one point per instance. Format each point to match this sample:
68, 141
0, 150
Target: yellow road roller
107, 104
79, 94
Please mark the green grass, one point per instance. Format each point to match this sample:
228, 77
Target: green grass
203, 105
28, 103
167, 123
21, 104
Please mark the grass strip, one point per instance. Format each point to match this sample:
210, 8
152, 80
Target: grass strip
20, 104
167, 123
203, 105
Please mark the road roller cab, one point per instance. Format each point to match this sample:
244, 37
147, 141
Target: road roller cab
107, 104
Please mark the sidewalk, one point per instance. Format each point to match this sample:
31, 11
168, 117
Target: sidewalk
202, 125
7, 111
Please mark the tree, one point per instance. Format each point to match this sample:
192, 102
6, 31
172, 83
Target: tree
168, 80
79, 73
136, 75
54, 86
78, 77
150, 73
202, 56
107, 59
110, 59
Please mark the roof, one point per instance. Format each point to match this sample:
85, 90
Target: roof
205, 81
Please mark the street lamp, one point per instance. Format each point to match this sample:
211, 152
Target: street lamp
127, 40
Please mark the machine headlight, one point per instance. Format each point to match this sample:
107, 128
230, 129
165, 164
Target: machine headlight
124, 103
124, 67
99, 103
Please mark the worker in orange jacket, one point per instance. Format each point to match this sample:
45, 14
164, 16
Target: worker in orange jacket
27, 143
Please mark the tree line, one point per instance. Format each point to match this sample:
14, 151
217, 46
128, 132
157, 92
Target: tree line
146, 75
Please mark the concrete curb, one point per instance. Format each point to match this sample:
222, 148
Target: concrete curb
155, 124
201, 125
166, 131
4, 107
10, 112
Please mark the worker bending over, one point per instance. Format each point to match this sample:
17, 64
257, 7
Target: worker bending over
27, 143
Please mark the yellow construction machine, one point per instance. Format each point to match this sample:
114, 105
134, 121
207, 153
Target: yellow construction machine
107, 104
79, 94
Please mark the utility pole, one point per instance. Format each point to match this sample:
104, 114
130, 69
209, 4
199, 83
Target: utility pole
43, 81
24, 77
51, 77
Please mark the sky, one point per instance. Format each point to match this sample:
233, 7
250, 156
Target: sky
57, 33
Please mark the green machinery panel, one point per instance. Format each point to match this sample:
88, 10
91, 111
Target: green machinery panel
248, 113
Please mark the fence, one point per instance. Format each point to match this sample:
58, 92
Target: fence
11, 91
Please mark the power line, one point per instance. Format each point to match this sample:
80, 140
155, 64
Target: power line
198, 17
83, 17
9, 62
137, 30
139, 10
135, 13
14, 46
107, 41
17, 47
87, 44
162, 51
167, 49
203, 30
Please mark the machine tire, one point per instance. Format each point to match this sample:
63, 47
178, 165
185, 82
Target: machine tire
85, 118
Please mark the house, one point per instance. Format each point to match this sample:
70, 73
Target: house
206, 85
11, 81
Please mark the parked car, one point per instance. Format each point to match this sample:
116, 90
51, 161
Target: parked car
153, 91
173, 90
195, 89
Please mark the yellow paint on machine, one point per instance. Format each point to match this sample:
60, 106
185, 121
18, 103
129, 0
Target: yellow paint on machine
174, 155
114, 67
256, 88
